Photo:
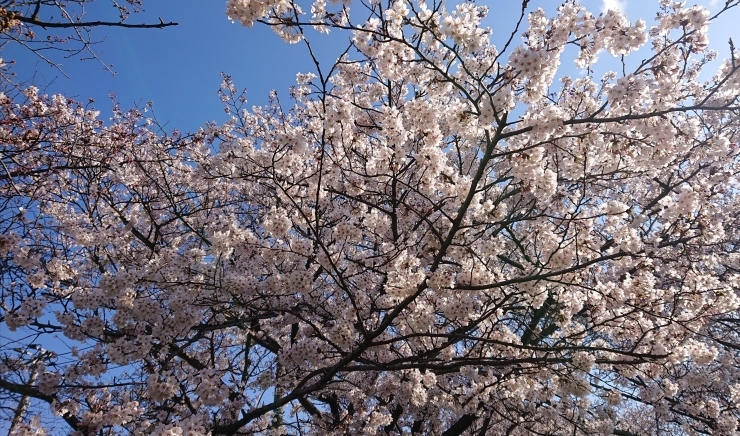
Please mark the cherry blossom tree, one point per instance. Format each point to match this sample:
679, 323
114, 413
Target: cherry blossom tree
435, 236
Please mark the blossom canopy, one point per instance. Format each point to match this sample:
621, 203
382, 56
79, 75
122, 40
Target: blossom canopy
435, 236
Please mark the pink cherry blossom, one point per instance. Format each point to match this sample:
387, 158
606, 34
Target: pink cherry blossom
436, 236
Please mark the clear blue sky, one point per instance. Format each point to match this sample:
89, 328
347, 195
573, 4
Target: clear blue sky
178, 68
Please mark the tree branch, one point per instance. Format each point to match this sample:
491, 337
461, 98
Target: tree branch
48, 24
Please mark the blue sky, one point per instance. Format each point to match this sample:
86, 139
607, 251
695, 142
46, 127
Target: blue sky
178, 68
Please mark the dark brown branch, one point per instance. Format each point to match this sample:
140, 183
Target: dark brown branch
32, 392
47, 24
623, 433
